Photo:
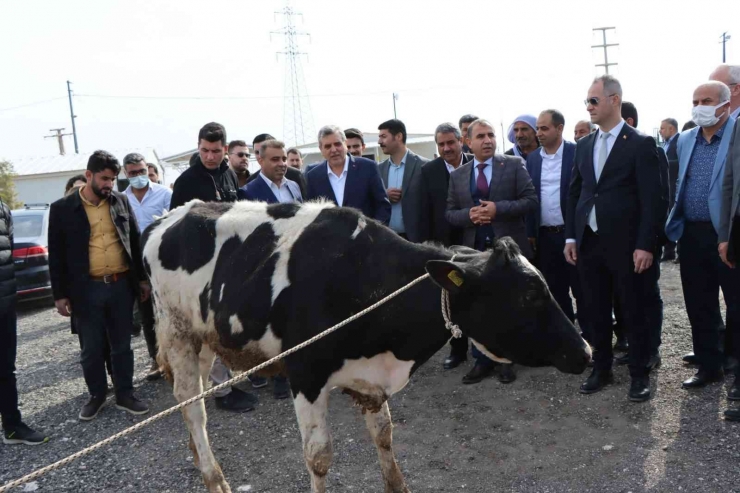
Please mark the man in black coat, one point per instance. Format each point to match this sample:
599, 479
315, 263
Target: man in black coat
435, 179
14, 430
210, 178
669, 133
611, 231
96, 270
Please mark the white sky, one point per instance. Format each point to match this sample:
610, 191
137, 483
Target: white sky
492, 58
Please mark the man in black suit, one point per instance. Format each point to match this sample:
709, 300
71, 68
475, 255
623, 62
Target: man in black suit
292, 174
463, 124
611, 230
435, 179
669, 134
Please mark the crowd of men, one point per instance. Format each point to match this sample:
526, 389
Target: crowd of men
596, 217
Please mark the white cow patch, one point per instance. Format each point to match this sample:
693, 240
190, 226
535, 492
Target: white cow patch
269, 344
221, 294
236, 325
488, 353
361, 223
381, 373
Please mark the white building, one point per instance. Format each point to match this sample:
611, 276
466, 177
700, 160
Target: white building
41, 180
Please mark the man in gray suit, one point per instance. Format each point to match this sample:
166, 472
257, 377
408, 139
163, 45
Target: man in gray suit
489, 198
729, 250
401, 174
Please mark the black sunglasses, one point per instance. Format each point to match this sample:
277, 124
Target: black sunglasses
242, 154
595, 101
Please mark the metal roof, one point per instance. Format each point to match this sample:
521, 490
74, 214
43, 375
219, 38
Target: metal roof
39, 165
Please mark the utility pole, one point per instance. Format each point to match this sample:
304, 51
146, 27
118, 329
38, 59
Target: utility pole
605, 45
395, 98
59, 138
724, 37
72, 114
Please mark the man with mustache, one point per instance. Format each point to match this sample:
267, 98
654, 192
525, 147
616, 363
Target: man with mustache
273, 187
523, 134
489, 197
96, 269
435, 179
355, 142
582, 129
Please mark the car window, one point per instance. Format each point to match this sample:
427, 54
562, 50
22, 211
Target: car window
28, 225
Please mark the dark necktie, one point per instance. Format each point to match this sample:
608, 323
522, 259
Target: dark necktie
481, 183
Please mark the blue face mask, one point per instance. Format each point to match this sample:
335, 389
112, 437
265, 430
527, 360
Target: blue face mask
139, 182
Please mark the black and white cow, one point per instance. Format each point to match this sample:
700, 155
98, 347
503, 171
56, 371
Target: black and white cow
247, 280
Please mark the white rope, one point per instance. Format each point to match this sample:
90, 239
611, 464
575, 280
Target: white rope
56, 465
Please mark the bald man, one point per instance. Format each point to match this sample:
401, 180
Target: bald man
730, 76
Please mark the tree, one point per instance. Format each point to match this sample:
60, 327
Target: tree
7, 185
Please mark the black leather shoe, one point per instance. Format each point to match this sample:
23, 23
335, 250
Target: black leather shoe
654, 362
478, 373
623, 359
730, 364
703, 378
639, 389
621, 345
690, 358
282, 387
506, 373
453, 361
597, 381
237, 401
734, 393
732, 415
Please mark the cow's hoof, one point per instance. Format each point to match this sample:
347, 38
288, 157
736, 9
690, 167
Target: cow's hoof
216, 483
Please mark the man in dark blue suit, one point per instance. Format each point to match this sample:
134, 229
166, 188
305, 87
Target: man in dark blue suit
669, 134
272, 187
346, 180
612, 230
550, 169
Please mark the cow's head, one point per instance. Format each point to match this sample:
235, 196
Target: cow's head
502, 302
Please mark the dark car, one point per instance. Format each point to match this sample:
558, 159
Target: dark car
31, 251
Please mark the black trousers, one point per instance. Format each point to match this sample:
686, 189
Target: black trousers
146, 311
108, 310
558, 273
11, 416
606, 273
702, 275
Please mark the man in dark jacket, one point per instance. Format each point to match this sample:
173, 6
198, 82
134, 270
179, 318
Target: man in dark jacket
14, 430
96, 270
211, 179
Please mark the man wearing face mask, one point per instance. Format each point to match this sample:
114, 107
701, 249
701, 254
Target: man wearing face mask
148, 200
694, 223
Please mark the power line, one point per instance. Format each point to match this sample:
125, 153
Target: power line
32, 104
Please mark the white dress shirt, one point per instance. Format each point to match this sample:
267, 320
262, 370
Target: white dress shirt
552, 165
337, 182
281, 192
487, 170
451, 168
613, 134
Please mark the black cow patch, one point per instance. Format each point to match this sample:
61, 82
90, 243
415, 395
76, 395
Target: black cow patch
190, 243
147, 268
203, 298
283, 211
244, 272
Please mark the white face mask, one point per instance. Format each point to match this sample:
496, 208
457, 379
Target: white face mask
139, 182
704, 116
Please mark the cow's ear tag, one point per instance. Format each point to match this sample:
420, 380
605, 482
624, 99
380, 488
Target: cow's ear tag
455, 277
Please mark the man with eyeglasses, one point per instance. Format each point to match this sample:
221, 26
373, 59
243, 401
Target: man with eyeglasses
148, 200
611, 232
730, 76
239, 160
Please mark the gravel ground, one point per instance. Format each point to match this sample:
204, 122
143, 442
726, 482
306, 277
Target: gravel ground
536, 435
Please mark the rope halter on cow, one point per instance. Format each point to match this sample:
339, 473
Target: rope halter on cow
447, 314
